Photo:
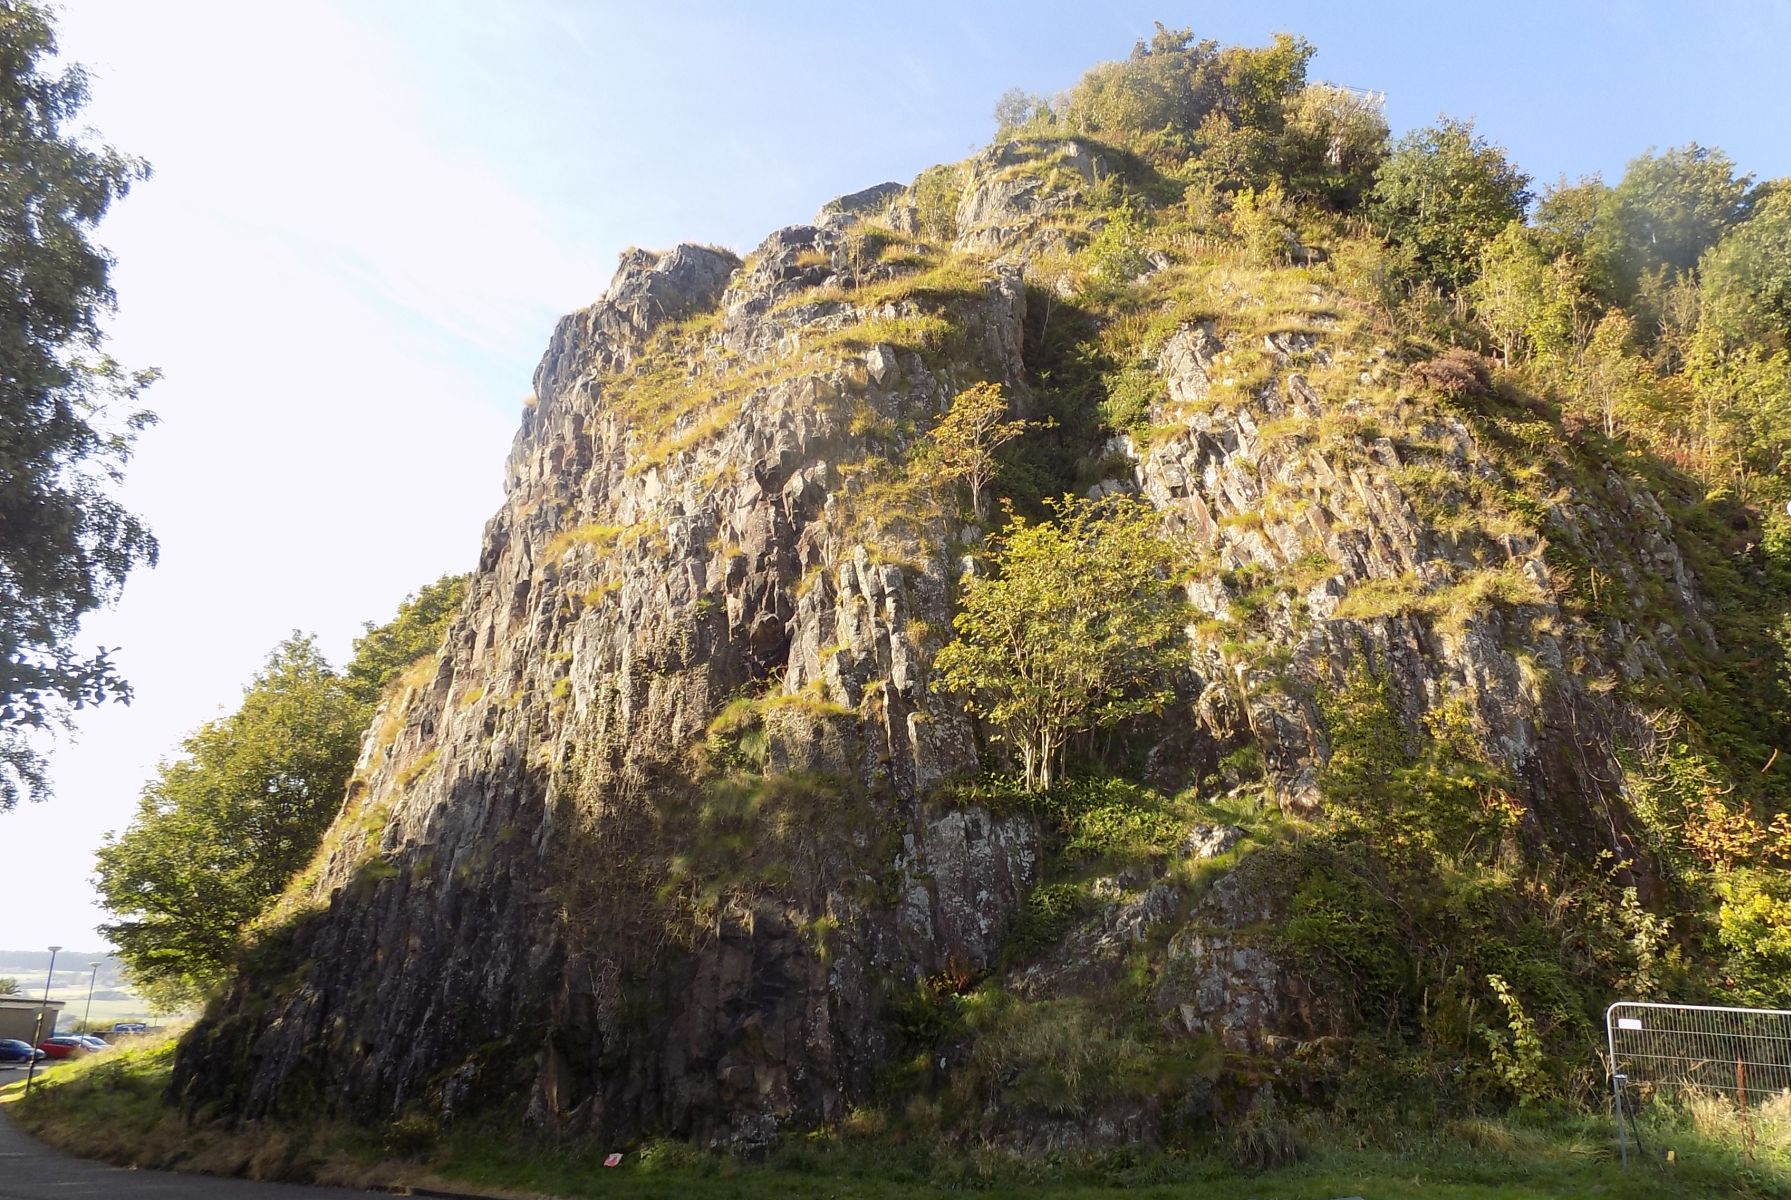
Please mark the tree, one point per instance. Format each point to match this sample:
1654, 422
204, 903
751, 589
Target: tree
9, 987
68, 413
1333, 140
1668, 209
1444, 193
1018, 111
961, 448
1078, 628
1610, 376
1509, 290
1174, 97
1743, 404
381, 653
1747, 276
220, 829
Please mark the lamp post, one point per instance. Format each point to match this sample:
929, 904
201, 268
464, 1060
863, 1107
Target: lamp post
37, 1032
87, 1017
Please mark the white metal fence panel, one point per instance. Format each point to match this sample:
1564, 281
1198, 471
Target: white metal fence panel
1743, 1054
1736, 1052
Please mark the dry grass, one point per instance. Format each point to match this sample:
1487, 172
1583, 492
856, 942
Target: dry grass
1450, 606
416, 770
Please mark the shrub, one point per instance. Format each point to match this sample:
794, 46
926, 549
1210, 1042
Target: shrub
1455, 374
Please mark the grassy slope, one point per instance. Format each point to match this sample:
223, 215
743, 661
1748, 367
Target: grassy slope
112, 1106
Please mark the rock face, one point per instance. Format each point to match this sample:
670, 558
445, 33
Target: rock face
655, 842
501, 898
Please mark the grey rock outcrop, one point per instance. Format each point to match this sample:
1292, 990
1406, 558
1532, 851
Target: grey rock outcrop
509, 886
655, 841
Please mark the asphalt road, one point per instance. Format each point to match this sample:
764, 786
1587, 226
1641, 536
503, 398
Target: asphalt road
30, 1170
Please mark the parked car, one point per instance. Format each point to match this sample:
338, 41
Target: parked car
63, 1046
12, 1050
92, 1042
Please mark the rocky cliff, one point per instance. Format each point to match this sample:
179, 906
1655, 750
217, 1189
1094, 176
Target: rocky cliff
667, 834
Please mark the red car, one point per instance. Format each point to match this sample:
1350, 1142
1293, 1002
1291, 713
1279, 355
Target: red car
63, 1047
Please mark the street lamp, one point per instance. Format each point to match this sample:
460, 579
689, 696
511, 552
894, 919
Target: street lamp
37, 1032
87, 1017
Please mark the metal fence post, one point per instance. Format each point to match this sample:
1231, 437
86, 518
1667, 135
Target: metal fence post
1617, 1082
1610, 1038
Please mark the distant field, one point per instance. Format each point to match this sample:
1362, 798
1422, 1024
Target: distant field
107, 1007
107, 1011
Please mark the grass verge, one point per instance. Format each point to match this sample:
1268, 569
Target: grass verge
113, 1107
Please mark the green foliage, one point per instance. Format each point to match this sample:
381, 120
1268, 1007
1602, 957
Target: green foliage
1428, 791
69, 414
1518, 1056
1117, 253
1668, 209
1021, 113
1104, 818
1077, 629
1449, 606
1746, 277
9, 987
1132, 393
382, 653
1263, 221
1175, 98
1060, 1058
1333, 141
120, 1107
1343, 932
936, 192
220, 830
1051, 909
1754, 928
962, 446
1508, 293
1443, 193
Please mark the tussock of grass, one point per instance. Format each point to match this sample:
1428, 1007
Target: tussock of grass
416, 770
1451, 606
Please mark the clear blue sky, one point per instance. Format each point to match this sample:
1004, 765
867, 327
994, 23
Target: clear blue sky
368, 213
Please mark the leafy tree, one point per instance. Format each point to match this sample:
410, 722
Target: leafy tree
1508, 293
1533, 307
1164, 85
1668, 209
68, 413
1743, 404
1264, 220
1747, 276
962, 446
1175, 97
381, 653
1118, 254
1567, 215
1332, 142
220, 829
1609, 375
1444, 193
9, 987
1018, 111
1078, 628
